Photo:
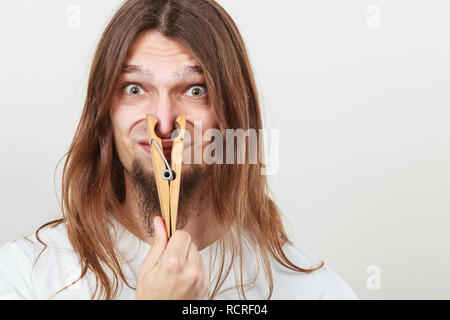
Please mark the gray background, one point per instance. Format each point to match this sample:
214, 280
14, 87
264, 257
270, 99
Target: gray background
359, 90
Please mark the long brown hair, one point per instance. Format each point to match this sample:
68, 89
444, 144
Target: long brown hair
93, 177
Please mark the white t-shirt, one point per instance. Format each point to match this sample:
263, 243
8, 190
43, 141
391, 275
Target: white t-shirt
59, 265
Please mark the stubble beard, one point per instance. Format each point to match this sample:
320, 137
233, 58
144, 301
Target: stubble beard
193, 197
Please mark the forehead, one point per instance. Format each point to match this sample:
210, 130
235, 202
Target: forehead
155, 53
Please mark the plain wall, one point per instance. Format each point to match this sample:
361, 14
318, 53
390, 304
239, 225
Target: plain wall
360, 91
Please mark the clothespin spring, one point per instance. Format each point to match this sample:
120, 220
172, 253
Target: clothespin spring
167, 174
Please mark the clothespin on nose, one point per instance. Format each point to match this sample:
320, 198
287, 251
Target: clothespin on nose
167, 176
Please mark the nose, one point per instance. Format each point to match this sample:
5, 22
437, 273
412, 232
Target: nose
166, 113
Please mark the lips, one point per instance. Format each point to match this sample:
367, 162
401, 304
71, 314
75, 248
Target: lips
166, 144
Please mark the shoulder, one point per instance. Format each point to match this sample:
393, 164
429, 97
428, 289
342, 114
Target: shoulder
322, 283
30, 247
21, 272
15, 270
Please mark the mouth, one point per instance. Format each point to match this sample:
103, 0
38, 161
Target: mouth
167, 148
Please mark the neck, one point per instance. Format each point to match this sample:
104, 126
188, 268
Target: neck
202, 227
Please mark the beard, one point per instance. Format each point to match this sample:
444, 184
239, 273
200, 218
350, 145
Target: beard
194, 189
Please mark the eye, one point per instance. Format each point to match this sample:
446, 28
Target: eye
134, 90
197, 91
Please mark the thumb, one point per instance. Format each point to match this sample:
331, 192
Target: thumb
158, 246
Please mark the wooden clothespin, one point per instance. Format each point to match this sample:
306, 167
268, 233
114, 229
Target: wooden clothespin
167, 176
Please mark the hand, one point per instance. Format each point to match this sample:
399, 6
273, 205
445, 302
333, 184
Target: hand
172, 269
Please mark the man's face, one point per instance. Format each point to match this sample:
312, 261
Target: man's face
161, 78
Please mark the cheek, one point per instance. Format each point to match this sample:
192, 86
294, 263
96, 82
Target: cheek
210, 120
121, 123
122, 117
205, 115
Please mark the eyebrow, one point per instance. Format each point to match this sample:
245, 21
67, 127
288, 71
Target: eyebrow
141, 70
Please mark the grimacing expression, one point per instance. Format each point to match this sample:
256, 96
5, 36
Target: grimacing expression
162, 78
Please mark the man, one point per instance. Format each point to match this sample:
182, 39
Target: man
165, 58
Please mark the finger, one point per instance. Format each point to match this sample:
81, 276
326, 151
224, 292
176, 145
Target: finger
202, 265
178, 245
193, 257
159, 244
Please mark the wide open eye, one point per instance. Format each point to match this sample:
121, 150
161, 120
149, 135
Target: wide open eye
197, 91
134, 90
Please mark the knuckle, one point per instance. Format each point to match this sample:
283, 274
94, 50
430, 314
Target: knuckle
193, 274
183, 235
174, 264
